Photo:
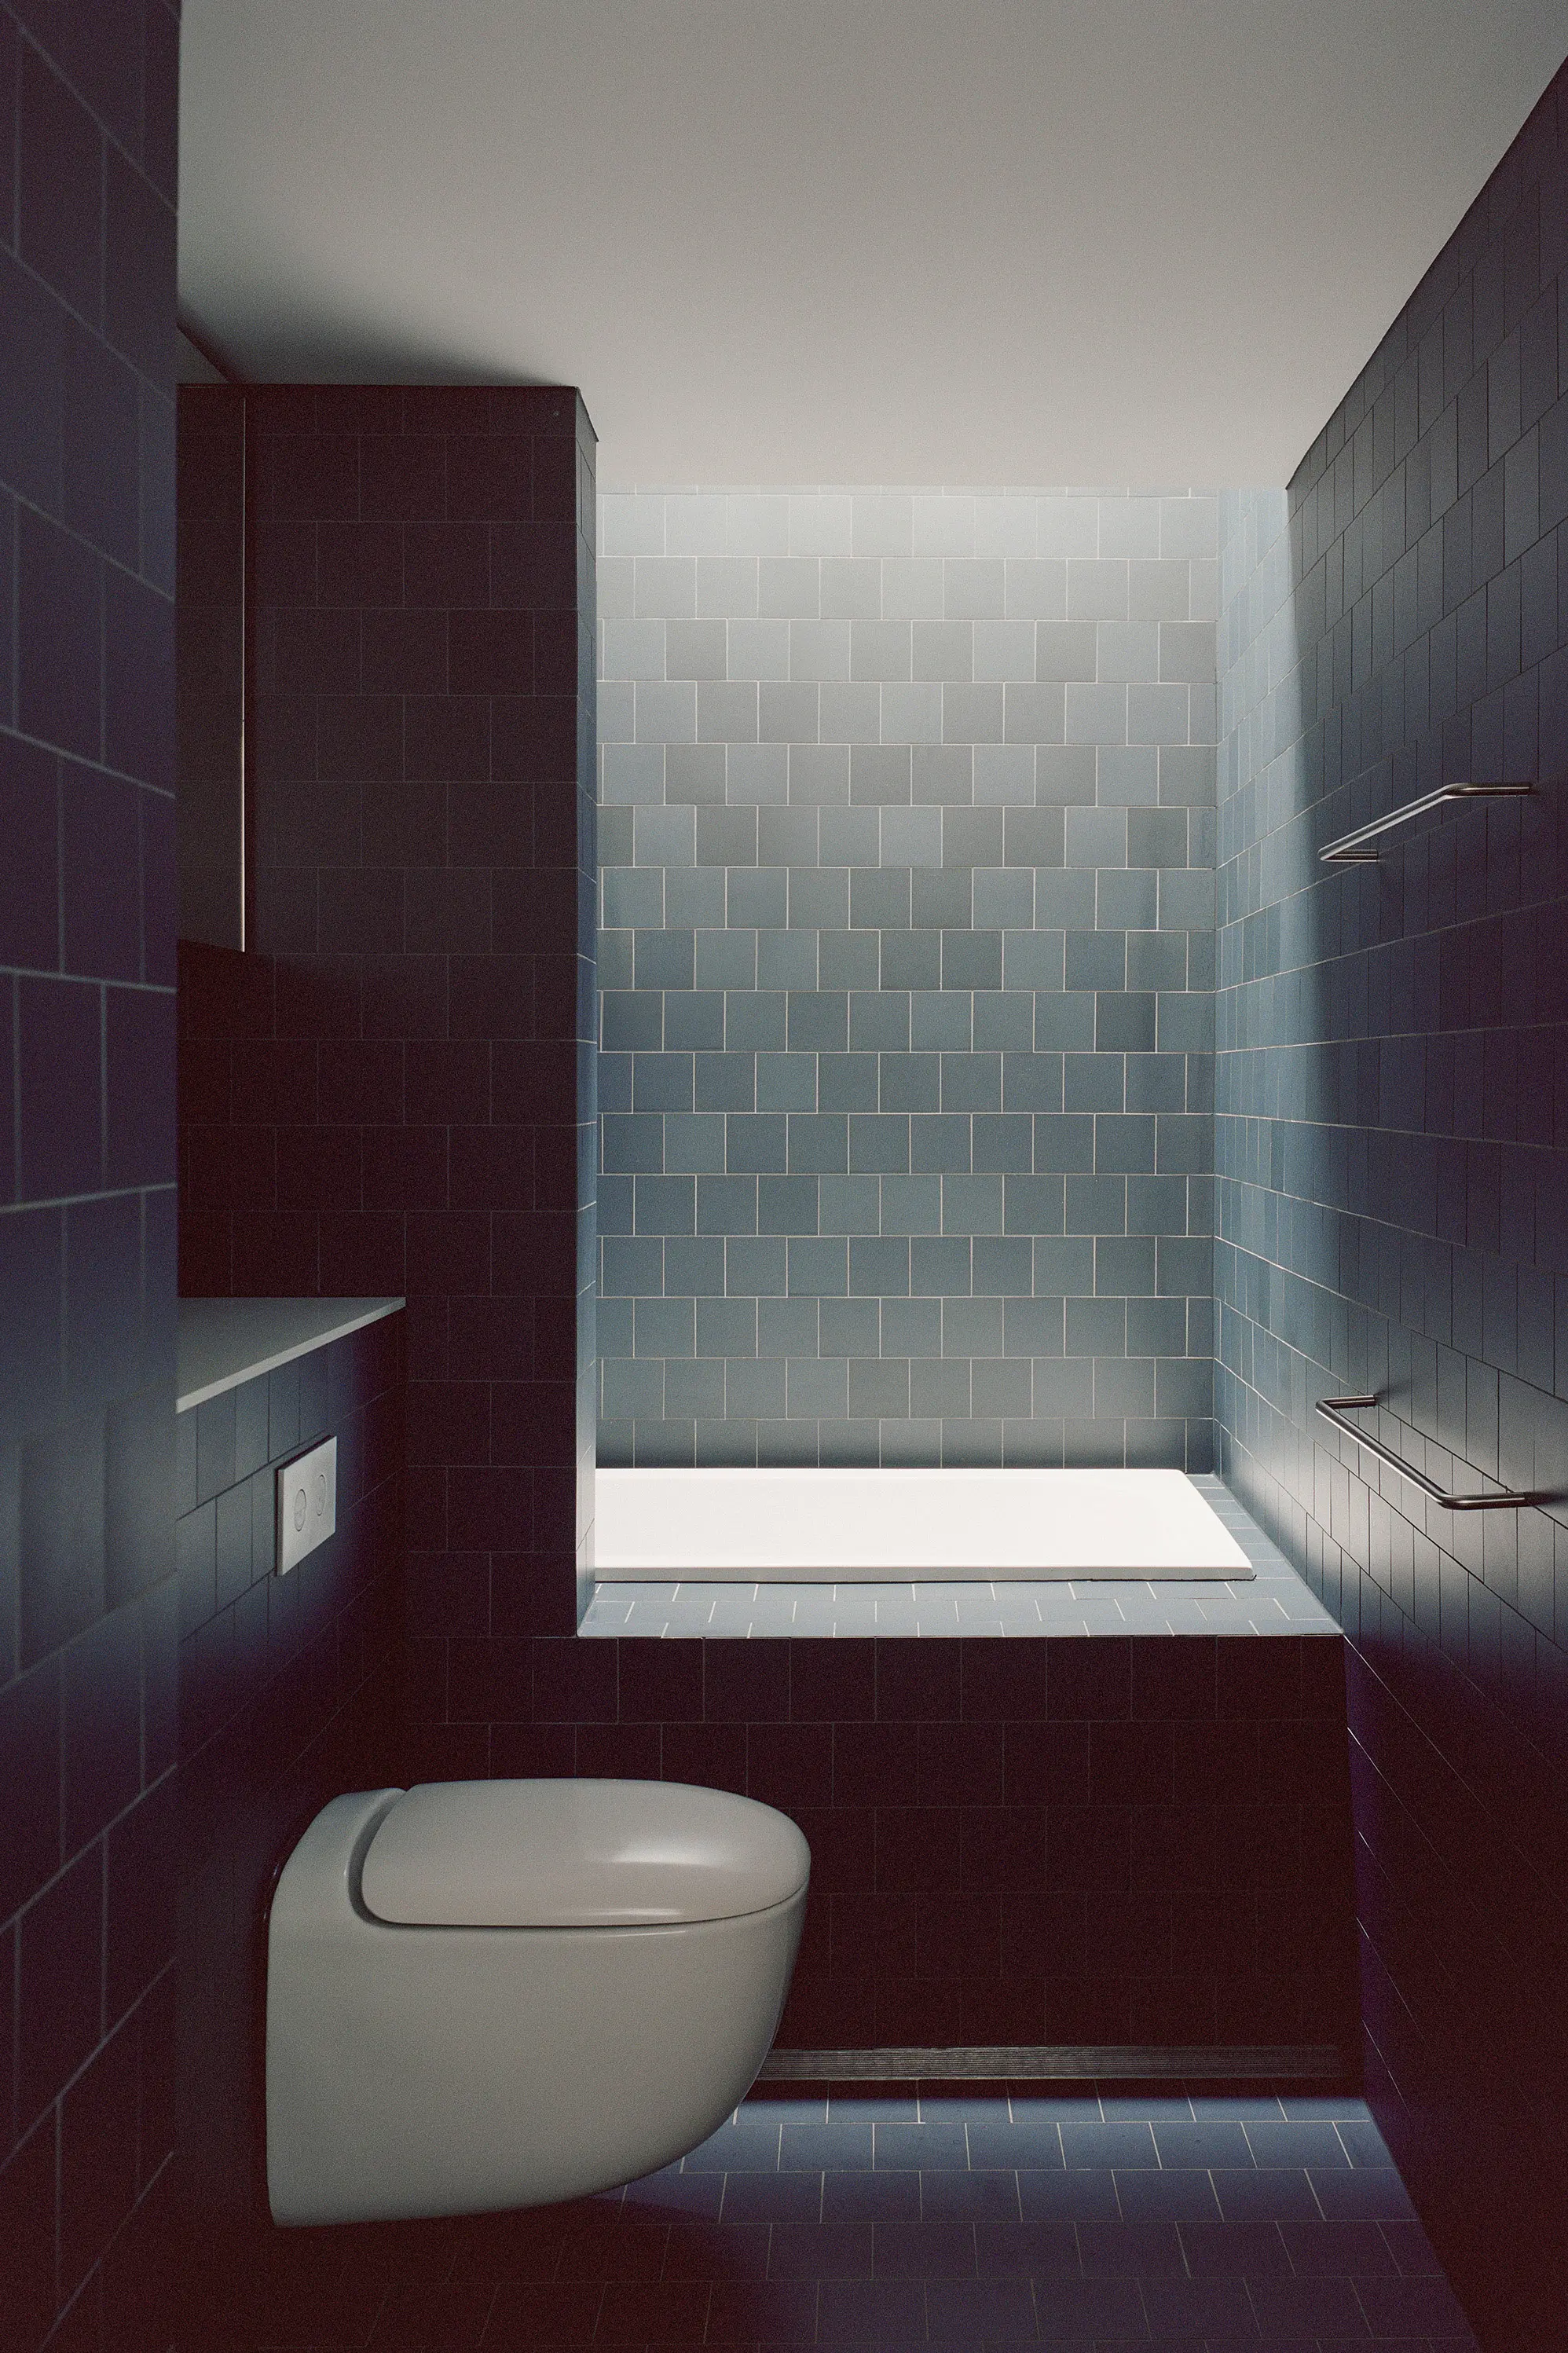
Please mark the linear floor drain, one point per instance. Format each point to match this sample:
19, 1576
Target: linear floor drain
1059, 2063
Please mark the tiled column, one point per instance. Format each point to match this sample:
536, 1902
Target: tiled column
397, 1094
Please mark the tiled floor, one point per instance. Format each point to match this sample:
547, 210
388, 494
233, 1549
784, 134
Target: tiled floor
1190, 2226
1273, 1601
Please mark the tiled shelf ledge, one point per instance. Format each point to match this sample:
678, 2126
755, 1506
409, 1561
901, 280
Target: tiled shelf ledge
1274, 1601
226, 1342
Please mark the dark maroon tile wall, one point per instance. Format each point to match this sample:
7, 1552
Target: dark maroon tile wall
396, 1095
1391, 1157
1075, 1842
288, 1697
88, 1616
209, 663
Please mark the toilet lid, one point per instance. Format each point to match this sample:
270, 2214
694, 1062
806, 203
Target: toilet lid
577, 1854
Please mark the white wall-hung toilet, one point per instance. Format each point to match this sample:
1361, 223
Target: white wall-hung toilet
484, 1994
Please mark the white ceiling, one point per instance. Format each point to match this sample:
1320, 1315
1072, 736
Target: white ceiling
924, 241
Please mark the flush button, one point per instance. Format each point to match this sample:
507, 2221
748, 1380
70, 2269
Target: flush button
306, 1503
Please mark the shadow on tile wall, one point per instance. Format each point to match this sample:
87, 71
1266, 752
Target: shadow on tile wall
1393, 1184
907, 838
289, 1696
88, 134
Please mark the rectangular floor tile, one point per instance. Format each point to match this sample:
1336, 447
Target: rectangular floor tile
1411, 2307
1244, 2249
974, 2197
821, 2251
634, 2249
1371, 2193
522, 2315
1197, 2308
825, 2148
1290, 2143
445, 2318
1352, 2249
1317, 2307
718, 2251
983, 2312
1028, 2250
670, 2312
1184, 2197
1108, 2250
870, 2198
1092, 2310
1032, 2142
921, 2148
924, 2251
872, 2312
1068, 2195
1119, 2146
1221, 2141
772, 2198
1266, 2195
763, 2312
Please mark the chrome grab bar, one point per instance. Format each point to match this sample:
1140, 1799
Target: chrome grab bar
1346, 847
1333, 1409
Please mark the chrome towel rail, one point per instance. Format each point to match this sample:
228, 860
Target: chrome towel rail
1333, 1409
1346, 848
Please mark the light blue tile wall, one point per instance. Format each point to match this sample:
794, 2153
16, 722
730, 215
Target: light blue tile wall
906, 957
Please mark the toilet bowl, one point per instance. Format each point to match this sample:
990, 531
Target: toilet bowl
487, 1994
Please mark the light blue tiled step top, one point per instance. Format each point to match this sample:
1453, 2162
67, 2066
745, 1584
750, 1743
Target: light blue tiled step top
1275, 1600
